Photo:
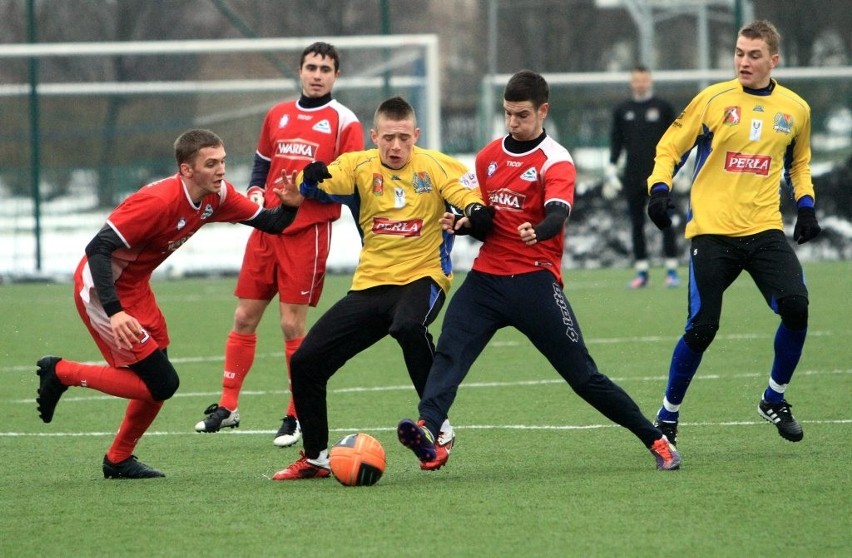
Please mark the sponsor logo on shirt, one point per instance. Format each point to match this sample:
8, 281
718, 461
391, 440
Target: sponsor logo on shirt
284, 120
175, 244
506, 199
296, 149
408, 227
783, 123
530, 175
756, 129
378, 185
743, 162
758, 108
323, 126
422, 182
732, 116
652, 114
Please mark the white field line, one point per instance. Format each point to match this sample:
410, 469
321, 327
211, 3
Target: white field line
30, 368
469, 385
466, 385
528, 427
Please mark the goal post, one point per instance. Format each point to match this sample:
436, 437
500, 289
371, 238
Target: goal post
423, 49
97, 137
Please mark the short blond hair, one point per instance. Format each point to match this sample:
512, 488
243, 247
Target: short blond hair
762, 29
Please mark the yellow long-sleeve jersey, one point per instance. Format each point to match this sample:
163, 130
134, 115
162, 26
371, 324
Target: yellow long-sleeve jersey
398, 213
746, 142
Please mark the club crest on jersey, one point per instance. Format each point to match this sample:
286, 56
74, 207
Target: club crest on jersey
468, 180
296, 149
732, 116
378, 185
208, 211
746, 163
783, 123
506, 199
652, 114
492, 168
181, 223
323, 126
530, 175
407, 227
422, 182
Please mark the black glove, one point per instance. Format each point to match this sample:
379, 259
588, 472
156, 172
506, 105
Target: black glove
806, 227
661, 206
481, 219
315, 172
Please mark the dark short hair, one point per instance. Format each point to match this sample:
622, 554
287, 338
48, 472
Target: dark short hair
189, 143
762, 29
321, 49
527, 85
396, 109
641, 68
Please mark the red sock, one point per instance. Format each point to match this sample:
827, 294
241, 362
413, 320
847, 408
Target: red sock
239, 356
120, 382
137, 419
290, 347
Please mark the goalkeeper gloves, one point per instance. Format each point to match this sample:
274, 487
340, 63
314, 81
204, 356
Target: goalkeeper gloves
611, 185
661, 206
806, 227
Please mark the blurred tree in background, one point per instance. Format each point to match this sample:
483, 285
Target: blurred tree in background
545, 35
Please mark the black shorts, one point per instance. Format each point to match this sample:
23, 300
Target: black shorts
715, 261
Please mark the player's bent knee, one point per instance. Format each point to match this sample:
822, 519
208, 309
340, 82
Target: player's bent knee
165, 386
699, 337
406, 330
158, 374
794, 311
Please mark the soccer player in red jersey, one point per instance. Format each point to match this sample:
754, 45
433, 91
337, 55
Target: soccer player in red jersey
113, 294
527, 180
291, 264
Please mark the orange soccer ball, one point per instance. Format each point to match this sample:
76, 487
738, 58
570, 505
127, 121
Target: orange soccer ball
357, 460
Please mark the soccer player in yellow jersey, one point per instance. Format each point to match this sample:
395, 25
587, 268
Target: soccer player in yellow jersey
404, 269
750, 134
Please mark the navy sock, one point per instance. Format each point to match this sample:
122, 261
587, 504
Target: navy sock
788, 351
684, 364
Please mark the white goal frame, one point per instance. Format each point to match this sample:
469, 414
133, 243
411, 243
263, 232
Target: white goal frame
430, 82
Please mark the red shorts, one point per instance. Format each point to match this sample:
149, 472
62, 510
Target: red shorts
290, 265
146, 311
